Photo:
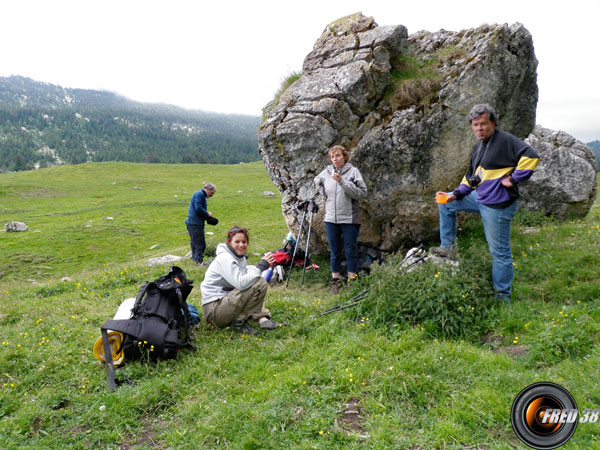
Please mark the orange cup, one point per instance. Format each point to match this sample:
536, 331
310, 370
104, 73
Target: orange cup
441, 197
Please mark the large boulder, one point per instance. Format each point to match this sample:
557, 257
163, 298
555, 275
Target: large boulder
564, 183
399, 103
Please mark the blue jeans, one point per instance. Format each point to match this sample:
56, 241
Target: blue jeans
496, 223
334, 236
197, 241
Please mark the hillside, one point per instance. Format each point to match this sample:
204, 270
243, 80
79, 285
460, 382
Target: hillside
43, 125
595, 145
367, 377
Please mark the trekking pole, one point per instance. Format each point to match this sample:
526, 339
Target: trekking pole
420, 255
110, 368
313, 210
350, 303
303, 206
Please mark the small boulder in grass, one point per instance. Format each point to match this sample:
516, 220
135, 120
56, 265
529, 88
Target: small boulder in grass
167, 259
15, 226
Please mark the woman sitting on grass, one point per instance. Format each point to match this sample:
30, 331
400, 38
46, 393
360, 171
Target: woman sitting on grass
233, 292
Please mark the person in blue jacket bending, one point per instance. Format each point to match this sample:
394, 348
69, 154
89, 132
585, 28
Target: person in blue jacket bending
197, 215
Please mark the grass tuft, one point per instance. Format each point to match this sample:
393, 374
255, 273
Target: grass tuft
286, 82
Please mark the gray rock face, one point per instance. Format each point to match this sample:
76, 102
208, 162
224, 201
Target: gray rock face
564, 183
399, 103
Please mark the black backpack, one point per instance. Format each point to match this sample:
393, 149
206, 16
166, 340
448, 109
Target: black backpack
160, 323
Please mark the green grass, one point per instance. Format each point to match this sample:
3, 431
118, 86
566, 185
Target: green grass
68, 208
416, 389
416, 80
286, 82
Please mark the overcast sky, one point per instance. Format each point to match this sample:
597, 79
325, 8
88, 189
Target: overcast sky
230, 56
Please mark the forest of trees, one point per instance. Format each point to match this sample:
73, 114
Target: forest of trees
42, 125
595, 145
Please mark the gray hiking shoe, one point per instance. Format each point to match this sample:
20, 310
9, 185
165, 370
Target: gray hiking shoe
444, 252
241, 326
271, 325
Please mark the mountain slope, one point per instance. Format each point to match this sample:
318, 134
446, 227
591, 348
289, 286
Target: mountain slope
595, 145
43, 125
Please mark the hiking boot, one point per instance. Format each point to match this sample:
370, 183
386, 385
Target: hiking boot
444, 252
335, 285
242, 326
271, 325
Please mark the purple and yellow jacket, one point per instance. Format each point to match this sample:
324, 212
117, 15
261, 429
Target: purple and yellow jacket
504, 155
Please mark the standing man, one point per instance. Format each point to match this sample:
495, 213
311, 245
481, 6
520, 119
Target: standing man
499, 162
197, 215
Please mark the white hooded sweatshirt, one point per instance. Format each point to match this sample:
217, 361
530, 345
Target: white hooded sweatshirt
226, 273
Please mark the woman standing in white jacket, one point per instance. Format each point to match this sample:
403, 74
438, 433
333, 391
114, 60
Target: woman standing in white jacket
343, 186
234, 292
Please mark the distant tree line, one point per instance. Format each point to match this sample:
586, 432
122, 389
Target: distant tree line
595, 145
43, 125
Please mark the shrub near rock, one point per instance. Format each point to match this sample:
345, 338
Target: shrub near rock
443, 303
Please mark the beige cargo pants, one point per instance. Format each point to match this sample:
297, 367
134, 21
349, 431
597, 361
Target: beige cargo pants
248, 303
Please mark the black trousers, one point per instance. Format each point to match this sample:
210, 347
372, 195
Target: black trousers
197, 241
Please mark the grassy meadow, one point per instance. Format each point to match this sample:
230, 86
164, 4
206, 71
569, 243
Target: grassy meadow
427, 361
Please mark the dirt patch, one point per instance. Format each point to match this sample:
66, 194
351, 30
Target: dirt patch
352, 420
36, 425
298, 412
147, 437
36, 194
504, 435
491, 339
512, 350
76, 430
